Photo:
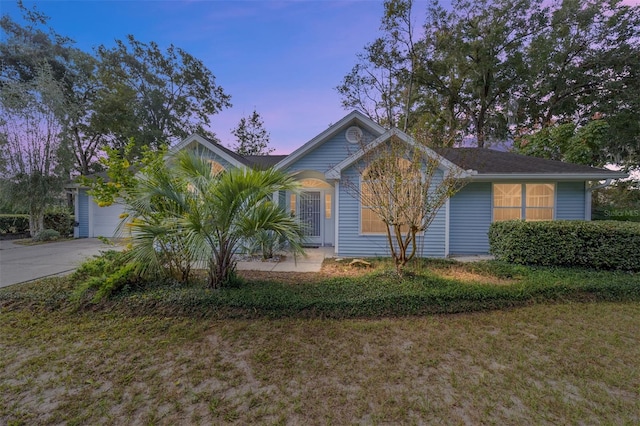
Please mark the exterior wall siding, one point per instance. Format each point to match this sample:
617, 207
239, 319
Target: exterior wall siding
469, 219
570, 200
352, 243
83, 214
328, 154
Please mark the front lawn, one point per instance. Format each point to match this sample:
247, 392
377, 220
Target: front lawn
568, 354
543, 364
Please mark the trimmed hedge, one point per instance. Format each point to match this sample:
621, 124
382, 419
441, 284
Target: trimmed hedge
599, 245
19, 223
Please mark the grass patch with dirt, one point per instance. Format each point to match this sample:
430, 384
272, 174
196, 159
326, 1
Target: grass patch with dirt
543, 364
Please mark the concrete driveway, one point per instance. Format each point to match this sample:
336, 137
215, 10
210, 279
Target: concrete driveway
20, 263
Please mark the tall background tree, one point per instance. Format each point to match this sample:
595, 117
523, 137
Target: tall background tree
155, 96
132, 90
381, 84
488, 71
251, 136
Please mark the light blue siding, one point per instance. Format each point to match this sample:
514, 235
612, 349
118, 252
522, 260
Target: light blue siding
328, 154
83, 214
352, 243
570, 199
469, 219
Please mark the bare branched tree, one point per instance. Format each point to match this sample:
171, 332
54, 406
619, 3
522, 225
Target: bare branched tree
33, 158
403, 185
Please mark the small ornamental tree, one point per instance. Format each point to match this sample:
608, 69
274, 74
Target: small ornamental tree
404, 185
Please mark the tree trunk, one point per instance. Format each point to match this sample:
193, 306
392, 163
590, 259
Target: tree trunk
222, 268
36, 223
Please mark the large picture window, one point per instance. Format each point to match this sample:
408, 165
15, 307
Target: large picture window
530, 201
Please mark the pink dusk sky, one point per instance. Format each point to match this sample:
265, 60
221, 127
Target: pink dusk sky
283, 58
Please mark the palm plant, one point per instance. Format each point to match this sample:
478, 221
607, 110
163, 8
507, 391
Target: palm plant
156, 207
195, 215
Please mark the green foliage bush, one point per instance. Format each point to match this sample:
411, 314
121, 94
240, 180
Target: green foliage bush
47, 235
599, 245
59, 221
382, 294
105, 275
266, 243
14, 223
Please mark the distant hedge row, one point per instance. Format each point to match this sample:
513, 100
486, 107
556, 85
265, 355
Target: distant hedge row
14, 224
19, 223
599, 245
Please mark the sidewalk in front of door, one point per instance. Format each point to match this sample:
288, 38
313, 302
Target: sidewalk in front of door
311, 262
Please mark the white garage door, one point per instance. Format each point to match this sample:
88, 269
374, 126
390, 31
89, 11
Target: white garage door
105, 220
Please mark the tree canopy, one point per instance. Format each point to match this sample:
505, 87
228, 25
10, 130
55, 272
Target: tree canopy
488, 71
130, 90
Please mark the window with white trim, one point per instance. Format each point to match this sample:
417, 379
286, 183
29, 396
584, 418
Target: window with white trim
531, 201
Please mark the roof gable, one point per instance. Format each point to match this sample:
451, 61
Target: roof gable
351, 119
336, 171
225, 153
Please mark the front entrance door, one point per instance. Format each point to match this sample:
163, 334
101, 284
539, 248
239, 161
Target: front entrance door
310, 215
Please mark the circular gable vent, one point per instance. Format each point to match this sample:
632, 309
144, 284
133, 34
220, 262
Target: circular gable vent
354, 134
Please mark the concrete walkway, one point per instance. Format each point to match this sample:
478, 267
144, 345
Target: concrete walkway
20, 263
312, 262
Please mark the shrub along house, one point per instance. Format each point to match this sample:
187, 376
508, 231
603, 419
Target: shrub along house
500, 186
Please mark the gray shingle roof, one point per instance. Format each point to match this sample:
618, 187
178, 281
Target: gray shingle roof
488, 161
